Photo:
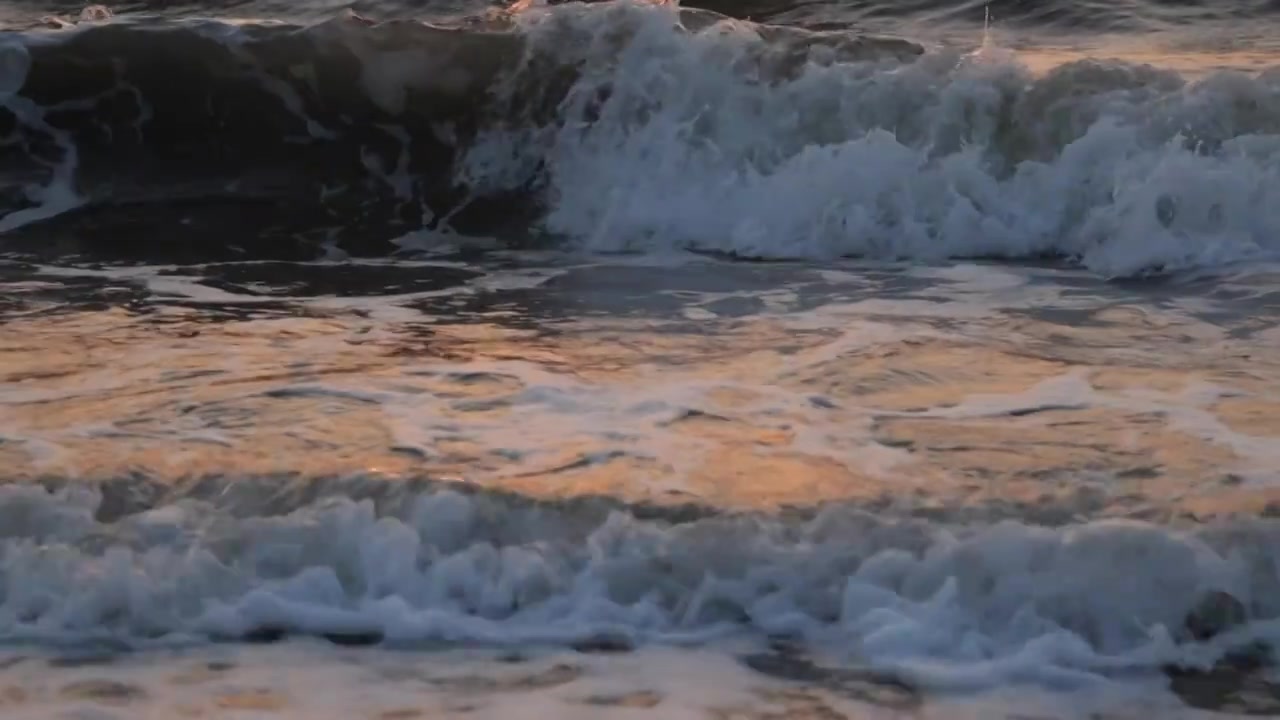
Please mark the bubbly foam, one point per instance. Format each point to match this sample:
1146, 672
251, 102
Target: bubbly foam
945, 606
715, 140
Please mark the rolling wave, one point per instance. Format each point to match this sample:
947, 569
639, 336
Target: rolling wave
939, 605
631, 127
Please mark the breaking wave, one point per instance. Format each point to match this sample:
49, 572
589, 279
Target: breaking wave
948, 605
636, 127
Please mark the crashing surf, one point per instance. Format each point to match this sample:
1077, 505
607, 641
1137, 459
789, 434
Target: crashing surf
630, 127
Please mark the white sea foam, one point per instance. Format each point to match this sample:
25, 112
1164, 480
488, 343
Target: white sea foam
704, 139
943, 606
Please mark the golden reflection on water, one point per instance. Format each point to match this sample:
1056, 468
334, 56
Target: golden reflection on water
1143, 414
1193, 64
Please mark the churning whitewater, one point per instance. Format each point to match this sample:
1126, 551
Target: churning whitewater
942, 606
633, 127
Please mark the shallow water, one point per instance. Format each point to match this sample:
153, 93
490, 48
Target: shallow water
541, 450
721, 383
317, 681
763, 360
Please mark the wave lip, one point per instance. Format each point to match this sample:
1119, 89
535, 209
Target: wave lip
641, 127
346, 120
943, 606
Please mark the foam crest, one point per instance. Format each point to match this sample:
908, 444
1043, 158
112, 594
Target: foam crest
951, 606
715, 139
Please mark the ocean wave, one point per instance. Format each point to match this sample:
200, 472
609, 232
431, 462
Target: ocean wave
939, 604
678, 140
640, 127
